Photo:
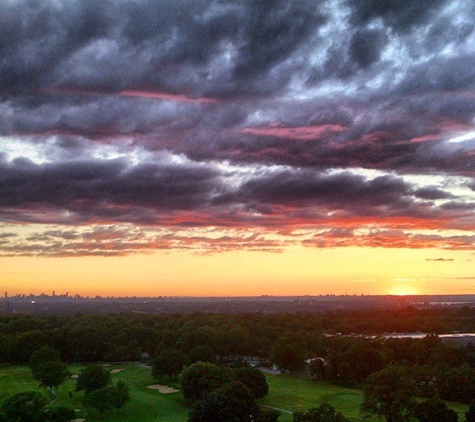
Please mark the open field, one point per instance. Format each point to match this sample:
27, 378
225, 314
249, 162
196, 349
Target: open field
148, 405
299, 394
145, 406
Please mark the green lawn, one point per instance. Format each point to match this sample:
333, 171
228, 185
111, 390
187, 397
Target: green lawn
145, 405
298, 394
286, 392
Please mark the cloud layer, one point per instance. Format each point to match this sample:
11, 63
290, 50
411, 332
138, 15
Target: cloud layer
221, 125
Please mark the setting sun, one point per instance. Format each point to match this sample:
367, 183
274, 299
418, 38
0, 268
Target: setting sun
403, 290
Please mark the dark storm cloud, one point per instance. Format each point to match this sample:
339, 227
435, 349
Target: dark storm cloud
166, 45
275, 29
366, 46
446, 30
401, 15
447, 74
224, 49
36, 36
432, 193
397, 146
142, 112
338, 191
95, 116
72, 184
156, 193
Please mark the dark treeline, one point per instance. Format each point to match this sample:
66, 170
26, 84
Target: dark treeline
284, 339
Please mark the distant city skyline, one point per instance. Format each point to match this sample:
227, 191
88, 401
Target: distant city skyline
204, 148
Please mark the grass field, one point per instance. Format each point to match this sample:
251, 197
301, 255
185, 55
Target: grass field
299, 394
145, 405
286, 392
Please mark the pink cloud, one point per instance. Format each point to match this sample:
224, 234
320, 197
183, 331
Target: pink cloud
301, 132
137, 93
166, 96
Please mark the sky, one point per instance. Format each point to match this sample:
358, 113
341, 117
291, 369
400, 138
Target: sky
214, 148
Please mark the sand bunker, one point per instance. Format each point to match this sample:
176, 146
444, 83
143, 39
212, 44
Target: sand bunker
78, 420
164, 389
116, 371
74, 376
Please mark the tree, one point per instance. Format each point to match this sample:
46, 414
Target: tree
51, 374
234, 341
389, 393
289, 352
470, 413
456, 384
268, 415
169, 362
60, 414
202, 378
202, 353
317, 368
231, 403
322, 413
42, 356
253, 379
27, 406
108, 397
93, 377
120, 395
362, 359
47, 368
100, 400
88, 344
27, 343
193, 337
434, 410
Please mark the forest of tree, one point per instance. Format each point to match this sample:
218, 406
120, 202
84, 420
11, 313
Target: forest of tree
173, 341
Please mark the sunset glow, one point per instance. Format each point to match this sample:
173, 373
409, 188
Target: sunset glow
278, 148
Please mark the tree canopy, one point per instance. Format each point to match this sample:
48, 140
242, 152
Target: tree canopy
170, 361
434, 410
47, 368
120, 395
93, 377
202, 378
322, 413
51, 374
42, 356
470, 413
289, 351
230, 403
389, 393
101, 400
26, 406
253, 379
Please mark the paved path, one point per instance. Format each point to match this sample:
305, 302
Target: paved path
270, 371
278, 408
